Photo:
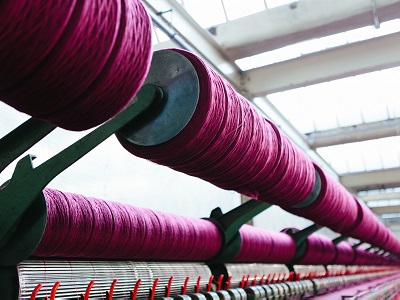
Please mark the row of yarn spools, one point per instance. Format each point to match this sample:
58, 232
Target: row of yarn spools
78, 63
85, 227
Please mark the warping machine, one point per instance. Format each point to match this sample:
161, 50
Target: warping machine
59, 245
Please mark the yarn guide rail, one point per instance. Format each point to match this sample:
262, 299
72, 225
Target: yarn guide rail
21, 217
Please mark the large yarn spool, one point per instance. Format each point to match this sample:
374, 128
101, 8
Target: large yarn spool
369, 229
260, 245
319, 249
334, 207
84, 227
344, 254
73, 63
226, 142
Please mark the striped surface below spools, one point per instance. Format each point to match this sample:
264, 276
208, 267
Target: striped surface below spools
73, 63
75, 276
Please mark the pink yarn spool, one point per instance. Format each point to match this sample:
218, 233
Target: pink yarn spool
360, 257
20, 53
334, 207
93, 63
366, 226
344, 254
264, 246
84, 227
227, 143
319, 250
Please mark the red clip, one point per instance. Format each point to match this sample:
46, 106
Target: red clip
54, 290
291, 276
87, 292
153, 289
197, 286
261, 282
255, 280
228, 283
298, 276
209, 284
35, 291
247, 281
135, 290
241, 285
273, 278
219, 282
184, 287
168, 287
267, 279
109, 294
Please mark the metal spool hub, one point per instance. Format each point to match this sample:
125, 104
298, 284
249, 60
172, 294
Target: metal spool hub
176, 76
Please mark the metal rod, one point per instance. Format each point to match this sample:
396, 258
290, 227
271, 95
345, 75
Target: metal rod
301, 236
27, 182
21, 139
339, 239
234, 219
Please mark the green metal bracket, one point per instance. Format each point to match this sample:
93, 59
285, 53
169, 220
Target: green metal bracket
300, 238
229, 225
24, 191
339, 239
9, 288
21, 139
357, 245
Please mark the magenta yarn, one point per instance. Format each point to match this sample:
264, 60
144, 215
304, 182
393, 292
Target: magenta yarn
319, 250
27, 35
94, 62
360, 257
229, 144
366, 227
84, 227
264, 246
334, 207
344, 254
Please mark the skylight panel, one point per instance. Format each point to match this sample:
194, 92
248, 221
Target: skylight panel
340, 103
316, 45
207, 13
363, 156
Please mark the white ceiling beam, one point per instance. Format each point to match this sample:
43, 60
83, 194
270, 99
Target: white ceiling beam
356, 133
198, 40
386, 209
344, 61
372, 180
303, 20
381, 196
